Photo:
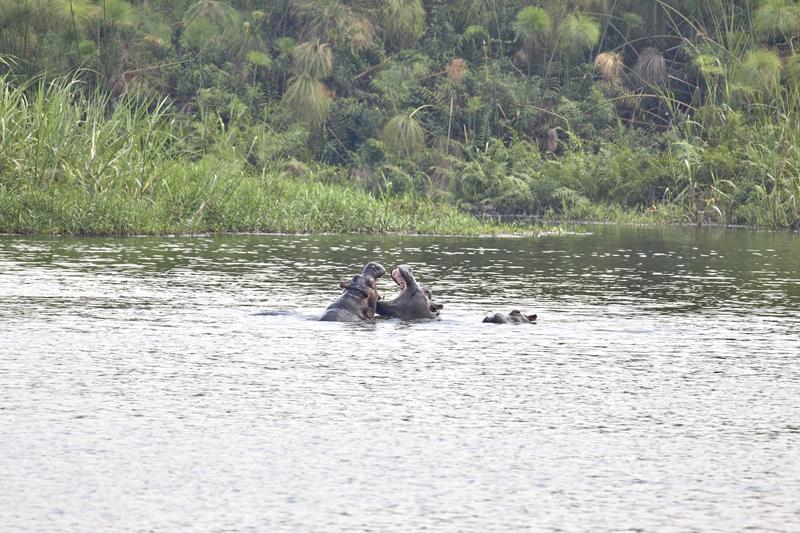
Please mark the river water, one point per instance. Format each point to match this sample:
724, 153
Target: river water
659, 390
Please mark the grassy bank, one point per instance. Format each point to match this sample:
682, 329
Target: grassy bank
211, 196
77, 164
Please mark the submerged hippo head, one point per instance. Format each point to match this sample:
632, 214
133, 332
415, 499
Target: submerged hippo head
414, 301
514, 317
359, 298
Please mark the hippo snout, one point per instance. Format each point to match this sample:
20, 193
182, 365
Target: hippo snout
373, 269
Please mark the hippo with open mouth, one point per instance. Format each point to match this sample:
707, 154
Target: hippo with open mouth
514, 317
359, 298
414, 300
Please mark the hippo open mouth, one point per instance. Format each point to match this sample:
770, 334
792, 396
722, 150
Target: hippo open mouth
398, 275
414, 300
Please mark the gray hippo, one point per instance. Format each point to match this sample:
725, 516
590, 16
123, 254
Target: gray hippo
514, 317
359, 298
414, 300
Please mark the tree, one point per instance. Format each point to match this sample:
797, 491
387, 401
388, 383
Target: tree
760, 72
306, 98
336, 22
531, 24
313, 58
777, 18
404, 135
403, 21
609, 66
578, 33
651, 67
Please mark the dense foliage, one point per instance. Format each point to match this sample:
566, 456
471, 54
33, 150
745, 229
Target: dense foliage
684, 109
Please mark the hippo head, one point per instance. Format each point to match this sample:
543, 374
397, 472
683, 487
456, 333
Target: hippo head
366, 282
369, 274
414, 301
514, 317
373, 270
359, 298
518, 316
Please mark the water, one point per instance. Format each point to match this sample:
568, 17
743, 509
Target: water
139, 390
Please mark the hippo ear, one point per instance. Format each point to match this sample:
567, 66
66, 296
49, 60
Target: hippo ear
344, 284
436, 307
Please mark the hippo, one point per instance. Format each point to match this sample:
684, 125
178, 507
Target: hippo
414, 300
514, 317
359, 298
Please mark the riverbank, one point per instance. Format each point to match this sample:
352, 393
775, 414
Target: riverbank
210, 197
77, 162
219, 196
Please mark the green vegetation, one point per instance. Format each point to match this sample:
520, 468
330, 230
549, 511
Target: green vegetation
156, 116
73, 166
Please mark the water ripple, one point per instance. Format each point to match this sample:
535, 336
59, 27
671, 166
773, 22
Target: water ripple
140, 388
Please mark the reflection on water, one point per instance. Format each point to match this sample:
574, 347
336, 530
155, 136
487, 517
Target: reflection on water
140, 389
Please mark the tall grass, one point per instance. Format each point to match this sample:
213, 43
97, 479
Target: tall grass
53, 132
215, 196
738, 161
79, 164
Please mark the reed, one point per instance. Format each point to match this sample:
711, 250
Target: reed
55, 133
210, 196
75, 163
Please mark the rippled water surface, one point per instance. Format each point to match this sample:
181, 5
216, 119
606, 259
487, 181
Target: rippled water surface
659, 391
